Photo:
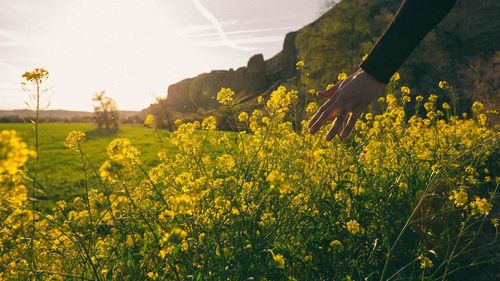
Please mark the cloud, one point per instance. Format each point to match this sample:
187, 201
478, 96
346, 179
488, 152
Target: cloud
239, 32
225, 41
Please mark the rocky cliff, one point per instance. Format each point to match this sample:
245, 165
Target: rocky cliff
259, 75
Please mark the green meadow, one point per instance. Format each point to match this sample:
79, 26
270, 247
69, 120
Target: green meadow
61, 174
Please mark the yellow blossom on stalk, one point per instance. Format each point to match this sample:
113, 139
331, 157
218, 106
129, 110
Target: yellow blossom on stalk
243, 116
209, 123
405, 90
260, 100
477, 107
153, 275
443, 84
13, 152
395, 77
329, 86
459, 197
150, 121
480, 206
275, 178
425, 262
342, 76
226, 163
73, 139
225, 96
311, 107
300, 64
280, 260
121, 149
336, 244
281, 99
364, 57
419, 98
178, 122
312, 91
36, 75
446, 106
353, 226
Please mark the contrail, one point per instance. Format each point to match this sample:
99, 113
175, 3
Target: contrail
213, 20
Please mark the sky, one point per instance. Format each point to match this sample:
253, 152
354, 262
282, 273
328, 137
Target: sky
134, 49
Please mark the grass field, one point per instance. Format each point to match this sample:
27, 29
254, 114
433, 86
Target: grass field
60, 172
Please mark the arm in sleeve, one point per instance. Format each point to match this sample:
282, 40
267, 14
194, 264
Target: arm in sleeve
413, 21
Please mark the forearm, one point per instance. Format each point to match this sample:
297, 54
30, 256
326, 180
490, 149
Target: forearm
413, 21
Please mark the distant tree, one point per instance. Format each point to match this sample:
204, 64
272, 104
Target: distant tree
106, 113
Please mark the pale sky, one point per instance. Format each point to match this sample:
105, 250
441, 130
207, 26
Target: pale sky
134, 49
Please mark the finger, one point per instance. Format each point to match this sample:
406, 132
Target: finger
328, 114
337, 126
328, 93
350, 124
320, 111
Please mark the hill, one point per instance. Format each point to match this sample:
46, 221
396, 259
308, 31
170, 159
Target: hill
463, 49
57, 115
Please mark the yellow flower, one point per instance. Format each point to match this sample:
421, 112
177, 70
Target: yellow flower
395, 77
280, 260
36, 75
178, 122
443, 84
480, 206
419, 98
209, 123
459, 197
477, 107
153, 275
73, 139
342, 76
353, 226
312, 91
225, 96
311, 107
300, 64
425, 262
243, 116
405, 90
364, 57
275, 178
260, 100
150, 121
446, 106
13, 152
336, 244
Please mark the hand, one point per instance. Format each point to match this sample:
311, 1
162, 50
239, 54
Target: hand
347, 100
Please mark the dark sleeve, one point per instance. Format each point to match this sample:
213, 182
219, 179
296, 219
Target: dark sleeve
413, 21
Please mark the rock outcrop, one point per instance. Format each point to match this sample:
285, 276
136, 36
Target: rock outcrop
191, 94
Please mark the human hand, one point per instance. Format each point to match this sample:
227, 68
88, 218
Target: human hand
347, 100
